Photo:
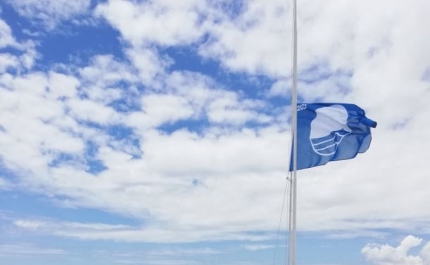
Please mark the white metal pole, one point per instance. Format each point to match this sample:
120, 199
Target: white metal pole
293, 234
290, 218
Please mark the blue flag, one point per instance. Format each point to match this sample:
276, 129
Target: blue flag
330, 132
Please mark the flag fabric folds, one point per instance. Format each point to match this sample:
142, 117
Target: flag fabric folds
330, 132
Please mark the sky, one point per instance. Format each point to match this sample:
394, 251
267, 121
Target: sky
157, 132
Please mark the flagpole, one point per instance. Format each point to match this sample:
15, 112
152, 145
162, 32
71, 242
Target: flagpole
293, 193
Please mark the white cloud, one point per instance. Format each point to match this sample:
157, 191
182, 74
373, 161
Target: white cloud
158, 109
425, 253
150, 65
88, 110
97, 231
229, 109
8, 61
255, 41
217, 151
162, 22
44, 225
28, 250
61, 85
6, 37
183, 252
332, 89
31, 225
26, 133
50, 12
105, 71
280, 88
256, 247
25, 53
388, 255
29, 56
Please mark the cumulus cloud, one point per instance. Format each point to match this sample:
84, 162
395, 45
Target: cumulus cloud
8, 61
154, 112
264, 40
279, 88
229, 110
50, 12
388, 255
106, 71
6, 37
24, 53
164, 22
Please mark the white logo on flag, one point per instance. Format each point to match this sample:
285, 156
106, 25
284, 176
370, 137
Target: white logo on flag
328, 129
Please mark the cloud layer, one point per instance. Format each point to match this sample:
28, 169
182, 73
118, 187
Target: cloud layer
190, 154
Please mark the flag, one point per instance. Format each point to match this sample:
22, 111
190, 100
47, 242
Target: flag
330, 132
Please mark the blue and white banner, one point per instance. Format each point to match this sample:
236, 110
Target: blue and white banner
330, 132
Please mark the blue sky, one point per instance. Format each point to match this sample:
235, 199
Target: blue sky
156, 132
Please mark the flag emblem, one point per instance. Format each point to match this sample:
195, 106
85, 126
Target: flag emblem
328, 129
